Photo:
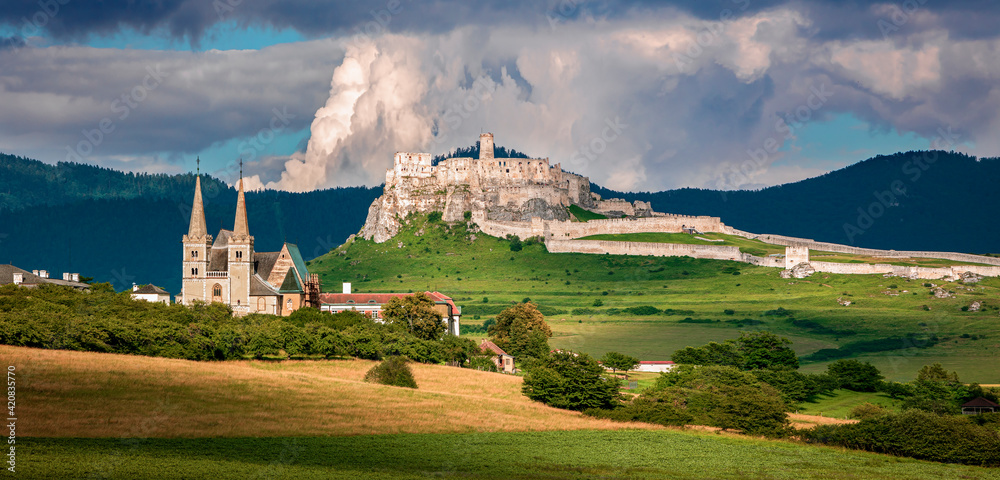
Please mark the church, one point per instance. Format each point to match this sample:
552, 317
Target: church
229, 271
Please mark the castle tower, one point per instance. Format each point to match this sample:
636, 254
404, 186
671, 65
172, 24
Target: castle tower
240, 257
486, 146
197, 245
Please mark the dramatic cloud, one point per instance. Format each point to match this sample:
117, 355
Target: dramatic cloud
636, 95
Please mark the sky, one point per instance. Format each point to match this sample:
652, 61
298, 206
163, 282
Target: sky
639, 96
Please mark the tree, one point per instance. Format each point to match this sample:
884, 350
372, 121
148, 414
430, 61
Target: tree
712, 353
515, 243
766, 350
571, 381
521, 331
392, 371
416, 313
855, 376
936, 373
619, 361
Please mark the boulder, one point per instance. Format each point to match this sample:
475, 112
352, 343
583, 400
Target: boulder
942, 293
969, 277
801, 270
975, 306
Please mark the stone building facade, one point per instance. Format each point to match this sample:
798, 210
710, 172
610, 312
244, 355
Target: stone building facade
229, 270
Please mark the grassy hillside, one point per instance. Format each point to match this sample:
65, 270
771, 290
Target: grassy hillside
85, 415
699, 300
68, 394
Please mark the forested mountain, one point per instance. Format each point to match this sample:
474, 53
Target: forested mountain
124, 227
940, 201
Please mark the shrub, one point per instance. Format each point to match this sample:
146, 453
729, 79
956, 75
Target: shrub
598, 302
866, 410
729, 311
392, 371
435, 217
916, 434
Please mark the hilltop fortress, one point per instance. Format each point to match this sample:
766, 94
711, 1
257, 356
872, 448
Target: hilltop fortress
530, 198
497, 189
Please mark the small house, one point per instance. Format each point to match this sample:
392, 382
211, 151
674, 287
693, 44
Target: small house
150, 293
979, 405
656, 366
503, 360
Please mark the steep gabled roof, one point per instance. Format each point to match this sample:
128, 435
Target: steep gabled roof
300, 264
291, 283
218, 258
265, 262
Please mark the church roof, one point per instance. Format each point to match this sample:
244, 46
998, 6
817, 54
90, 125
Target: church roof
260, 288
265, 262
300, 265
197, 228
291, 283
218, 258
240, 228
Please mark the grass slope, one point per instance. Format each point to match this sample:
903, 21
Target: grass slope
539, 455
83, 394
470, 267
155, 418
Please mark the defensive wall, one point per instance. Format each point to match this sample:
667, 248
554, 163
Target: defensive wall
870, 252
562, 237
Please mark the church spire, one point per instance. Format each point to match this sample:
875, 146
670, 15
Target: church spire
240, 228
197, 229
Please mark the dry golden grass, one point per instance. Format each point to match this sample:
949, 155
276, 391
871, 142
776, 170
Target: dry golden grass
80, 394
800, 420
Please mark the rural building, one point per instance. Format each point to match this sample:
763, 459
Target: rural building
34, 278
370, 305
503, 360
150, 293
228, 270
655, 366
979, 405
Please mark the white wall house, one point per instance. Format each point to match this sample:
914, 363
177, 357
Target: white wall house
655, 366
150, 293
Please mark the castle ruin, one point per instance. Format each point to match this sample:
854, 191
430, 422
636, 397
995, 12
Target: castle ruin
496, 189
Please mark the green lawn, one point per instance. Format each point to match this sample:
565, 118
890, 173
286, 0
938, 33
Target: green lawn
836, 257
840, 403
566, 286
552, 455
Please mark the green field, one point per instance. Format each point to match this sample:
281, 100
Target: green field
550, 455
840, 403
566, 286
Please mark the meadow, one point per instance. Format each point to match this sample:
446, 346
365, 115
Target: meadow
86, 414
586, 300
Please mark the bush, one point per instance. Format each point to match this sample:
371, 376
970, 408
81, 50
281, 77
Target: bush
865, 411
729, 311
435, 217
916, 434
571, 381
392, 371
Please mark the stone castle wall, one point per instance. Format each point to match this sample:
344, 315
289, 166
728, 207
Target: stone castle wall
871, 252
717, 252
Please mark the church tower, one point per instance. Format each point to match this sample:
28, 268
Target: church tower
240, 257
197, 246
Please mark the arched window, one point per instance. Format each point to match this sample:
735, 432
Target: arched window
194, 254
260, 304
217, 293
288, 304
239, 254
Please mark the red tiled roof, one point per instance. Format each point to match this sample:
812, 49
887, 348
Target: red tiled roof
980, 402
359, 298
656, 362
380, 298
492, 347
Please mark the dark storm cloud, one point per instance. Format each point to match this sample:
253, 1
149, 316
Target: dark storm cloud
74, 19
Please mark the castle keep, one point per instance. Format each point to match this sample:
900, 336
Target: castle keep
230, 271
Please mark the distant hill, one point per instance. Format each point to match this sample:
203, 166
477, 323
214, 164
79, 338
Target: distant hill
126, 227
122, 227
949, 206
